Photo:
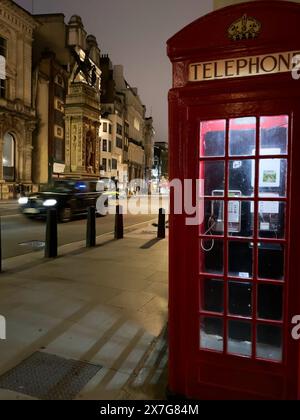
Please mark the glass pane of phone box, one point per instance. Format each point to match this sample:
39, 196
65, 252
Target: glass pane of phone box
211, 334
271, 219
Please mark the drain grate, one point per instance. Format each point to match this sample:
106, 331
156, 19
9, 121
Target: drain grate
49, 377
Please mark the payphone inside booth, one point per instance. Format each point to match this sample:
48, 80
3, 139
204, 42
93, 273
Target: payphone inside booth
234, 275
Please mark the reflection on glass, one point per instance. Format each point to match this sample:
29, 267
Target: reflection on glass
240, 218
271, 261
242, 136
271, 222
274, 134
272, 177
241, 177
240, 338
240, 299
240, 255
269, 342
212, 142
212, 178
211, 256
211, 334
270, 302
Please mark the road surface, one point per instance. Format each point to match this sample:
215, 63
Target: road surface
18, 232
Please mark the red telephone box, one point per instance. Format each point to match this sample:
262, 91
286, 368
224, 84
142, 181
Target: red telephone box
235, 275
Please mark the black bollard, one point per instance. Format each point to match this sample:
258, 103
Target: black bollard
0, 246
119, 224
161, 232
51, 234
91, 228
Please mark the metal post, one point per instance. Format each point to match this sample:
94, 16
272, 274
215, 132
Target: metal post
161, 232
119, 224
91, 228
51, 234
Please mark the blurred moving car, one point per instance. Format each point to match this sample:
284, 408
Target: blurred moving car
69, 197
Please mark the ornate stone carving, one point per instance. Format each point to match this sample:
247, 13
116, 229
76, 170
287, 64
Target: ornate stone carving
74, 147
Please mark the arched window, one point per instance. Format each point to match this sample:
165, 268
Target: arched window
8, 158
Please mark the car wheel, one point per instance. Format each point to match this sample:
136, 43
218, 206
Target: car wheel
65, 215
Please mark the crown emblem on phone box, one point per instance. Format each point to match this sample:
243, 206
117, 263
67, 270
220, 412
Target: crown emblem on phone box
244, 28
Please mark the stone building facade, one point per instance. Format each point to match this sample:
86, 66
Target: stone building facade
52, 107
17, 110
149, 149
135, 114
113, 109
132, 132
67, 74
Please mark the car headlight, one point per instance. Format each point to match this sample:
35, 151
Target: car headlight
23, 200
50, 203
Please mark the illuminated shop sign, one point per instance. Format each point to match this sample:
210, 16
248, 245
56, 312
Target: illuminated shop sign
243, 67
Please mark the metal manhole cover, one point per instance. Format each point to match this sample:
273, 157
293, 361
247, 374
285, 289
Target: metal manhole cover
49, 377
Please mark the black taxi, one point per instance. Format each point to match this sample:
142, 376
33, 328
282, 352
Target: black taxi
69, 197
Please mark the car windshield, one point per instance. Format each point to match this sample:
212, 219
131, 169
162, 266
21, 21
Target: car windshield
60, 187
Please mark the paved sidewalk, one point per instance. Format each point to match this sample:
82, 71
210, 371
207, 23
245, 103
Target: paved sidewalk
106, 306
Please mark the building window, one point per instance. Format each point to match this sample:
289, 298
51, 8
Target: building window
104, 127
126, 130
2, 67
109, 165
126, 140
136, 124
8, 159
110, 146
110, 129
3, 53
114, 164
59, 152
119, 130
104, 165
104, 146
2, 89
3, 47
119, 143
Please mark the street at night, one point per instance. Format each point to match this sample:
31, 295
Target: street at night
20, 234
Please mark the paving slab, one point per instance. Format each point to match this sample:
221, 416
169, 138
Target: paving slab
105, 306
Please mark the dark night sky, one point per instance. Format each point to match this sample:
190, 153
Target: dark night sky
134, 33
